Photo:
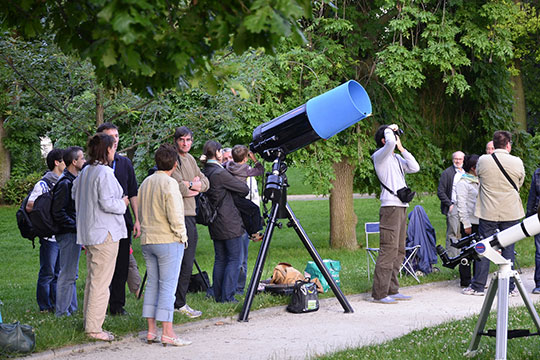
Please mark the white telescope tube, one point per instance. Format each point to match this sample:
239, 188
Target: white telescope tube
529, 227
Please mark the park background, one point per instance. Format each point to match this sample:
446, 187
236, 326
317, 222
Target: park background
449, 73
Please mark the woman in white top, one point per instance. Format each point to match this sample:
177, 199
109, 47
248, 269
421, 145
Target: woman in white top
466, 194
100, 205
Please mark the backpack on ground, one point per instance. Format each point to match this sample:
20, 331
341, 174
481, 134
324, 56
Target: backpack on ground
304, 298
38, 222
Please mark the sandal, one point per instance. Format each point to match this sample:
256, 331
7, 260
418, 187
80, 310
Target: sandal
103, 336
166, 340
151, 338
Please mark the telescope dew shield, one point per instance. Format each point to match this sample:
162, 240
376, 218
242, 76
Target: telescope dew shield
337, 109
320, 118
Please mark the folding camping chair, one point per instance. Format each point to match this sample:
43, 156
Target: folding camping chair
371, 252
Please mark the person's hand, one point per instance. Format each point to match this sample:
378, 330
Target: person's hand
394, 127
252, 156
136, 229
450, 208
126, 200
398, 144
468, 230
196, 179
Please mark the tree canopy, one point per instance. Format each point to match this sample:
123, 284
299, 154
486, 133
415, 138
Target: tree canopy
159, 44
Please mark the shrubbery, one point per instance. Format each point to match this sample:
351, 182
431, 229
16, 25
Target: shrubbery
16, 189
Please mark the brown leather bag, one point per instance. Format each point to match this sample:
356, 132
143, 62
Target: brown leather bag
285, 274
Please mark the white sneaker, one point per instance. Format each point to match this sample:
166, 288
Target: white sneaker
189, 312
514, 293
470, 291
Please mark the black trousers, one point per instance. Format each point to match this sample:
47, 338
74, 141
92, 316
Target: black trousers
117, 299
465, 270
187, 262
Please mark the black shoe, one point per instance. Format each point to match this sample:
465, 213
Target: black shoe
121, 312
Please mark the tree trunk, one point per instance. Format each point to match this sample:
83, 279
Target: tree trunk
5, 159
99, 107
520, 112
342, 217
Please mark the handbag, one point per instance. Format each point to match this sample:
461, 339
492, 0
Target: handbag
304, 298
17, 338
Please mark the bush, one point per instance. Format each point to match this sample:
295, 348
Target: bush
16, 189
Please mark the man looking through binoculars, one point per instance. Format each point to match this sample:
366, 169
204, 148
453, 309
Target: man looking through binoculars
390, 169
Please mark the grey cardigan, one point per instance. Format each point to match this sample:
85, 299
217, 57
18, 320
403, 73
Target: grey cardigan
99, 205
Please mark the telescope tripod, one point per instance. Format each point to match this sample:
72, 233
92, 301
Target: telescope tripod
500, 286
276, 192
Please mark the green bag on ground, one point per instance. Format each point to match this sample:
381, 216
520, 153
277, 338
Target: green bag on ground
333, 266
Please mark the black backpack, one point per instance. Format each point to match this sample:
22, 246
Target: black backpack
206, 212
304, 298
39, 222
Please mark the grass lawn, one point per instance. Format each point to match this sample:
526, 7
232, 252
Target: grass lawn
19, 265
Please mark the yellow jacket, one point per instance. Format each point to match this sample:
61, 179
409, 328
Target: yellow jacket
161, 210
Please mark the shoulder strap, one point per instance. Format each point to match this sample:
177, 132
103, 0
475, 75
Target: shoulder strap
48, 182
386, 187
504, 172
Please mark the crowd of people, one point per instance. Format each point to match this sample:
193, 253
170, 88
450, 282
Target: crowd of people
478, 194
91, 200
92, 197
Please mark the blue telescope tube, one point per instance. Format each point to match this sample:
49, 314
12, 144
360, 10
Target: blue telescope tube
320, 118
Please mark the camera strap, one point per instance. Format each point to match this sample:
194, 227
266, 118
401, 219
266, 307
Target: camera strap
504, 172
402, 173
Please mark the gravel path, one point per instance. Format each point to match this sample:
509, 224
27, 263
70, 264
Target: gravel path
306, 335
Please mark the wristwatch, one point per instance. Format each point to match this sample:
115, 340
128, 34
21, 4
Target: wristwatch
190, 185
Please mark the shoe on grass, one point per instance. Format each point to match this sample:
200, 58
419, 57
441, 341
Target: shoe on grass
385, 300
470, 291
536, 290
400, 296
189, 312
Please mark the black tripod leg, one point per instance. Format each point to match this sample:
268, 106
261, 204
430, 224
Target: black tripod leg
259, 264
200, 272
317, 258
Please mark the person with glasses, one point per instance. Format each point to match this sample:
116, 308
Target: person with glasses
191, 182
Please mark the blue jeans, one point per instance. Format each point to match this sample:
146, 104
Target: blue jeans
49, 268
243, 266
66, 288
162, 269
487, 228
228, 258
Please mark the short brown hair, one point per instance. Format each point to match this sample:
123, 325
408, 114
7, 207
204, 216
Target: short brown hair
501, 138
239, 153
165, 157
98, 147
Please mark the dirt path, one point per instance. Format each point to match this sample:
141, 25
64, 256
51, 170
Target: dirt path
326, 330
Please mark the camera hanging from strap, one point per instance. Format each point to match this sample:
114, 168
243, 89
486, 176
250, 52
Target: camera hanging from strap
405, 194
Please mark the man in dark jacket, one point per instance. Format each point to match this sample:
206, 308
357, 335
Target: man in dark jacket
63, 212
532, 208
447, 194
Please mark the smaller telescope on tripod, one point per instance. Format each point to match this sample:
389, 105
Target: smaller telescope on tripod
320, 118
474, 247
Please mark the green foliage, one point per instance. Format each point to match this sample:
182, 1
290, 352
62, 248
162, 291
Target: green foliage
17, 187
155, 44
